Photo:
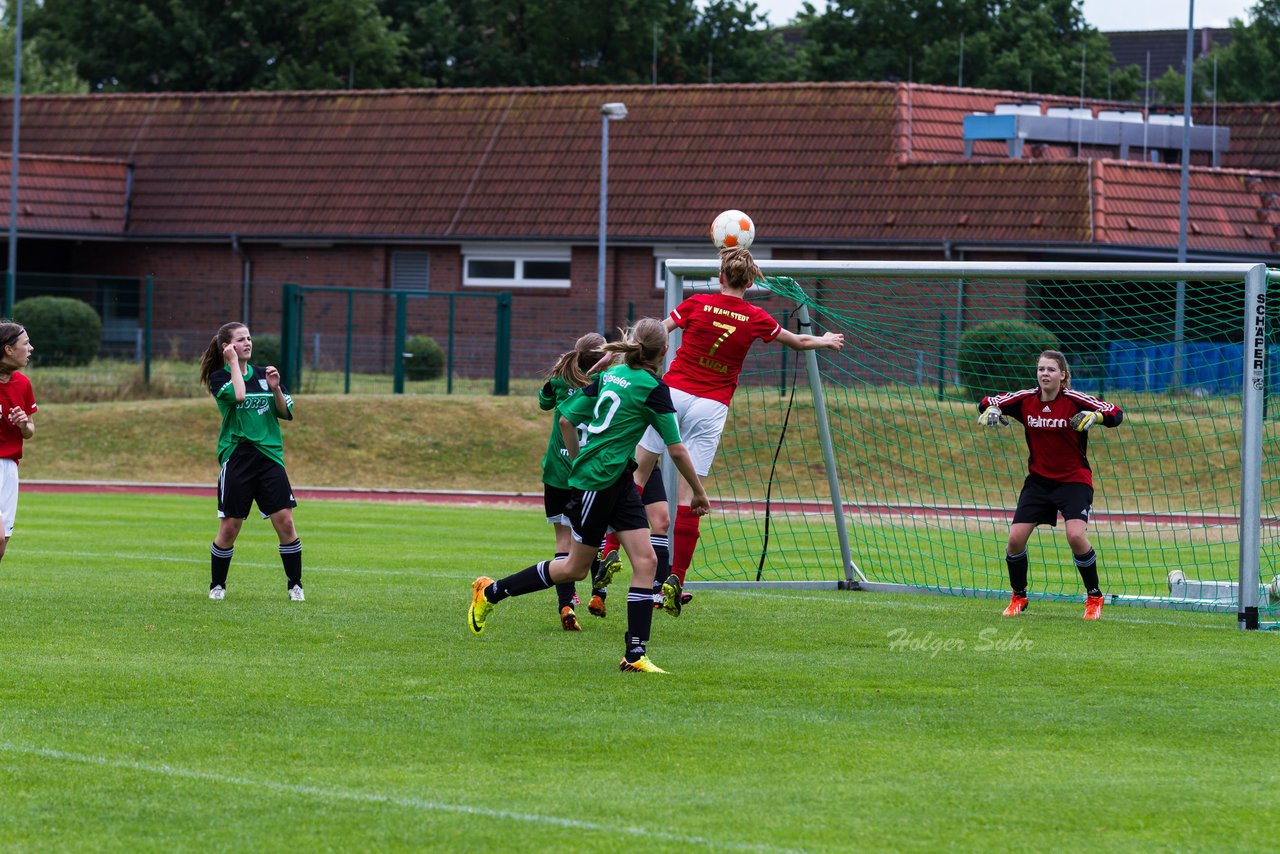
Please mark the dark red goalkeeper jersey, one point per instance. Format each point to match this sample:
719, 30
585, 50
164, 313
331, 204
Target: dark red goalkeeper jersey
719, 329
1058, 452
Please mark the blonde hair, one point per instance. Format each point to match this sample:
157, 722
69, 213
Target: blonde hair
1062, 364
572, 367
738, 268
642, 345
212, 358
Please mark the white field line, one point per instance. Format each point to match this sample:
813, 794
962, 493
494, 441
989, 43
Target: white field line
356, 796
873, 601
204, 561
860, 601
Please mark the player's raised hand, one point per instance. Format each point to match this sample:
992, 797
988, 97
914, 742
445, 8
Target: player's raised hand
1083, 420
833, 341
993, 417
273, 377
229, 354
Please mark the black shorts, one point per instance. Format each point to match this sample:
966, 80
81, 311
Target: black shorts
554, 501
248, 476
655, 490
616, 508
1041, 500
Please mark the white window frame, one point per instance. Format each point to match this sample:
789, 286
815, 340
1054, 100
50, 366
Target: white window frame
519, 254
697, 251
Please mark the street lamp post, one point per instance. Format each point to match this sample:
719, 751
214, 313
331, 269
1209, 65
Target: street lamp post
613, 110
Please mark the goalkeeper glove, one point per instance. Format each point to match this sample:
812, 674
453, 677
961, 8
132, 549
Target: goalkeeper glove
993, 417
1084, 419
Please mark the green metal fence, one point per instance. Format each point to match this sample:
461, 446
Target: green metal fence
373, 326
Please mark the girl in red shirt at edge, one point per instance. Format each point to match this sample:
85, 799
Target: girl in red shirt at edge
719, 329
1056, 420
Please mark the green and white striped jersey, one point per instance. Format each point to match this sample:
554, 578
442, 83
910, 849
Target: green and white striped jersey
611, 415
253, 421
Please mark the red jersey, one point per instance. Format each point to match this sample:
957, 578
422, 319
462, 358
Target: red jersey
719, 329
1057, 449
15, 394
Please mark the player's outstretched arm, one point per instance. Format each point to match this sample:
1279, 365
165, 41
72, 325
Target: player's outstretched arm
827, 341
700, 505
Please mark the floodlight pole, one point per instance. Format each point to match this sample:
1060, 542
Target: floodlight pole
11, 280
613, 110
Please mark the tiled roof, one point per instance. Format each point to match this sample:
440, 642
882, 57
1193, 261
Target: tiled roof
1228, 210
838, 162
74, 195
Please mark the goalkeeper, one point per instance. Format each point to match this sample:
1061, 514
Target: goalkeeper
1055, 419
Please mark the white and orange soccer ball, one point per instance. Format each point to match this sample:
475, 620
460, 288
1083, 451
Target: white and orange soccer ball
732, 228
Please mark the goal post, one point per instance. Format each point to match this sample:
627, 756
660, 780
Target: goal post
865, 469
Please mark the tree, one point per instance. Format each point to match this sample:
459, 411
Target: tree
40, 76
1247, 67
1031, 45
202, 45
575, 42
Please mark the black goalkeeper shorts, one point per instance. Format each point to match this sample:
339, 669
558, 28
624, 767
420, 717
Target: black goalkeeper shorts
1041, 500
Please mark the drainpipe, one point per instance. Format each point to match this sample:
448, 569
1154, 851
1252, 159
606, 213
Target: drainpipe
246, 278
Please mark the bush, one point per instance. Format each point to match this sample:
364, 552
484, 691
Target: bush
1001, 356
424, 360
64, 331
266, 351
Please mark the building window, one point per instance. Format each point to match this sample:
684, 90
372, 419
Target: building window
410, 271
516, 266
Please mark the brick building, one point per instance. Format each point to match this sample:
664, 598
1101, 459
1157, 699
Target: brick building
223, 198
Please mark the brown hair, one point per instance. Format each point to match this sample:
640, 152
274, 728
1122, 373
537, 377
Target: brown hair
212, 358
738, 268
1062, 364
10, 332
572, 366
642, 345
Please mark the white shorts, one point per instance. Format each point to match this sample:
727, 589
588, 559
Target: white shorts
8, 494
701, 422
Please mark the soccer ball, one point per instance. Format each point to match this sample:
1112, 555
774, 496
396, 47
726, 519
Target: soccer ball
731, 229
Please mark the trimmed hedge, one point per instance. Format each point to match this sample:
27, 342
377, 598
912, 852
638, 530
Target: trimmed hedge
266, 351
63, 331
1001, 356
424, 359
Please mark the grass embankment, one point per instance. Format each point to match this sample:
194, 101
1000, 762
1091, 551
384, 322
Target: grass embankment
369, 441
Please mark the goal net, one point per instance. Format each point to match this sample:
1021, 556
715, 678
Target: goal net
866, 468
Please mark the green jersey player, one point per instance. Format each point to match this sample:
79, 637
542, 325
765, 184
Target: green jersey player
609, 415
251, 401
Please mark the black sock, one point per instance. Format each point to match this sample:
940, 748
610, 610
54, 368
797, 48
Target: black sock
530, 580
661, 548
1017, 572
291, 557
1087, 564
220, 563
639, 620
565, 590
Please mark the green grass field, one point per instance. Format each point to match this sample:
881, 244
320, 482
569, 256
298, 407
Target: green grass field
140, 716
